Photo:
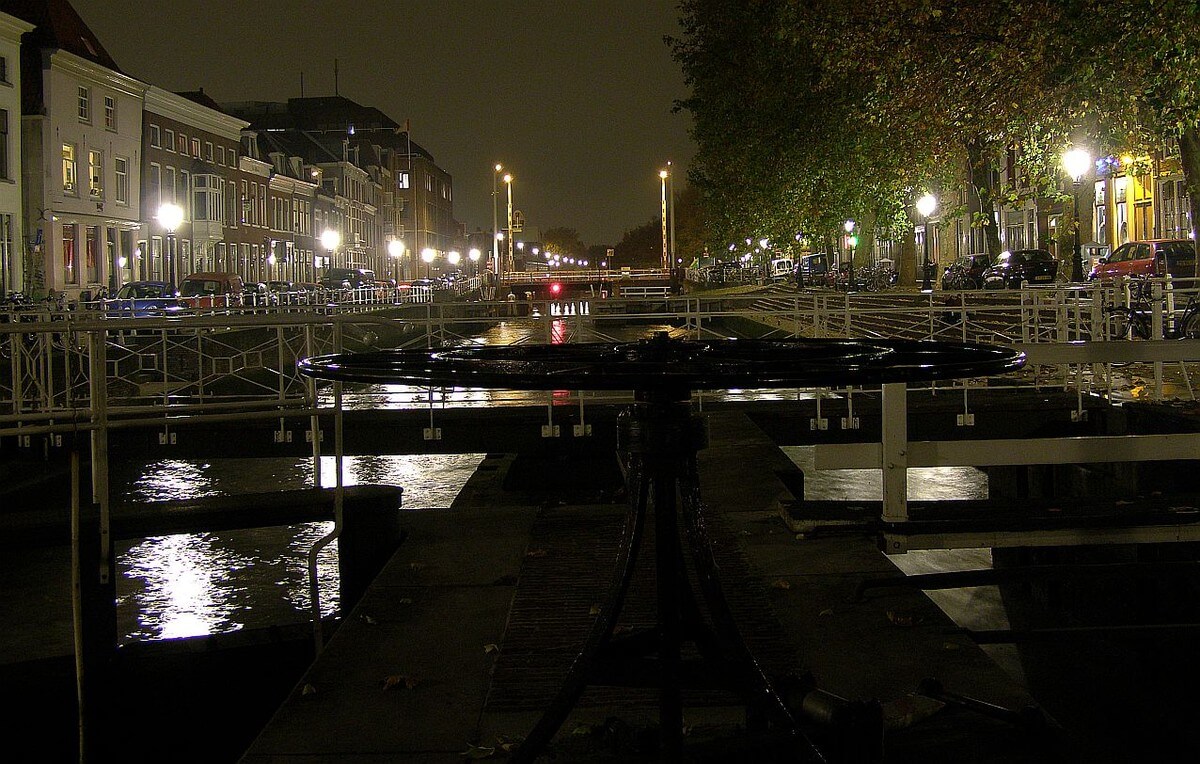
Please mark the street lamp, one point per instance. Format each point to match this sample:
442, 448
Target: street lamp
666, 258
330, 240
1076, 163
495, 233
395, 248
473, 255
925, 207
427, 256
851, 243
508, 181
170, 216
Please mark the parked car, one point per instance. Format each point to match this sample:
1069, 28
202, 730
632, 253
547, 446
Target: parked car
1011, 269
966, 272
212, 289
1156, 257
814, 269
353, 278
143, 298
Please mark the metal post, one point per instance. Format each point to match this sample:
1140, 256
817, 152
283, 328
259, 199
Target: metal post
1077, 260
508, 262
671, 207
895, 453
925, 285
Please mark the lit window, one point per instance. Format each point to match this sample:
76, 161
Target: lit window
70, 176
96, 174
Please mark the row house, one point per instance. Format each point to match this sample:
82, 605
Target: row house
81, 150
192, 161
13, 261
272, 191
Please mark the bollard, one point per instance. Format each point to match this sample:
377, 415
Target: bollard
371, 533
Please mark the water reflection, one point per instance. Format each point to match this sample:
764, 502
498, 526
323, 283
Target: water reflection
209, 583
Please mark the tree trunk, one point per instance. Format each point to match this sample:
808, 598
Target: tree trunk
983, 196
1189, 157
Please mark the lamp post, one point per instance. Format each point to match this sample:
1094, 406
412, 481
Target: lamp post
671, 210
1076, 162
395, 248
330, 240
508, 260
170, 216
495, 233
427, 256
662, 176
851, 242
925, 207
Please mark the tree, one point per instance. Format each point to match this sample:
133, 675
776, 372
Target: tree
563, 241
640, 247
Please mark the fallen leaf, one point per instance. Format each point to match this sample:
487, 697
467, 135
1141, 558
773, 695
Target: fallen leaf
508, 744
307, 690
478, 752
826, 611
781, 583
491, 647
594, 609
406, 600
368, 619
416, 566
395, 680
536, 553
582, 729
903, 618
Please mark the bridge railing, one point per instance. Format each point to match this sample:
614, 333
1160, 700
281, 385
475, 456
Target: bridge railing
163, 367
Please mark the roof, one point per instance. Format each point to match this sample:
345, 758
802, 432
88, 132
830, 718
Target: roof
59, 26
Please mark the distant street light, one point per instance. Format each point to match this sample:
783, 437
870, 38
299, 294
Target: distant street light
508, 181
851, 243
495, 233
473, 255
925, 207
666, 257
1076, 163
170, 216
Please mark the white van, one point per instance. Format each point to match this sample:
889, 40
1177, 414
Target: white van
782, 268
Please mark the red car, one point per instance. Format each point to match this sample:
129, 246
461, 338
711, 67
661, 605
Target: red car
1149, 258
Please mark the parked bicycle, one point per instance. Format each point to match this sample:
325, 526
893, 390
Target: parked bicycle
1136, 320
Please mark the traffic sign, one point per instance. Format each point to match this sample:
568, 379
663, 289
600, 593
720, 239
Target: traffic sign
518, 223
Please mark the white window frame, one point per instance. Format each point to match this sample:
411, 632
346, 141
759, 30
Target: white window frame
110, 113
96, 173
70, 169
121, 174
85, 104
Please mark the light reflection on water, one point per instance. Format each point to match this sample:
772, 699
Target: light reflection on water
209, 583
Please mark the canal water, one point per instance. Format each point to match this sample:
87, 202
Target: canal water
210, 583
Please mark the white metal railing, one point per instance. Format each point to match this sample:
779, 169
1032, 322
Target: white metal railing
197, 363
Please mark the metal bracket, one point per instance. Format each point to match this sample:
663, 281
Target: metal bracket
850, 423
966, 420
580, 431
432, 433
308, 436
166, 438
820, 423
1078, 415
550, 431
285, 436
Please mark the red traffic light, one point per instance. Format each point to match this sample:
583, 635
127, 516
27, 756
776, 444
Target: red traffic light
556, 289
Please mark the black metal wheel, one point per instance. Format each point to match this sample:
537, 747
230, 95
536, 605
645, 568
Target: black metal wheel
664, 363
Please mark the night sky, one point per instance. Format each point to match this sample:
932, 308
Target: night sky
575, 96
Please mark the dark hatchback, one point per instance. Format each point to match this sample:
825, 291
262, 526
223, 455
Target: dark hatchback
144, 298
1035, 266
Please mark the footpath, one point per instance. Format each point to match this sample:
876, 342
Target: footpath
470, 628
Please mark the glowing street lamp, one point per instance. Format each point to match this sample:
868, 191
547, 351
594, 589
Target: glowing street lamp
170, 216
1076, 162
453, 257
925, 207
473, 256
395, 249
851, 243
